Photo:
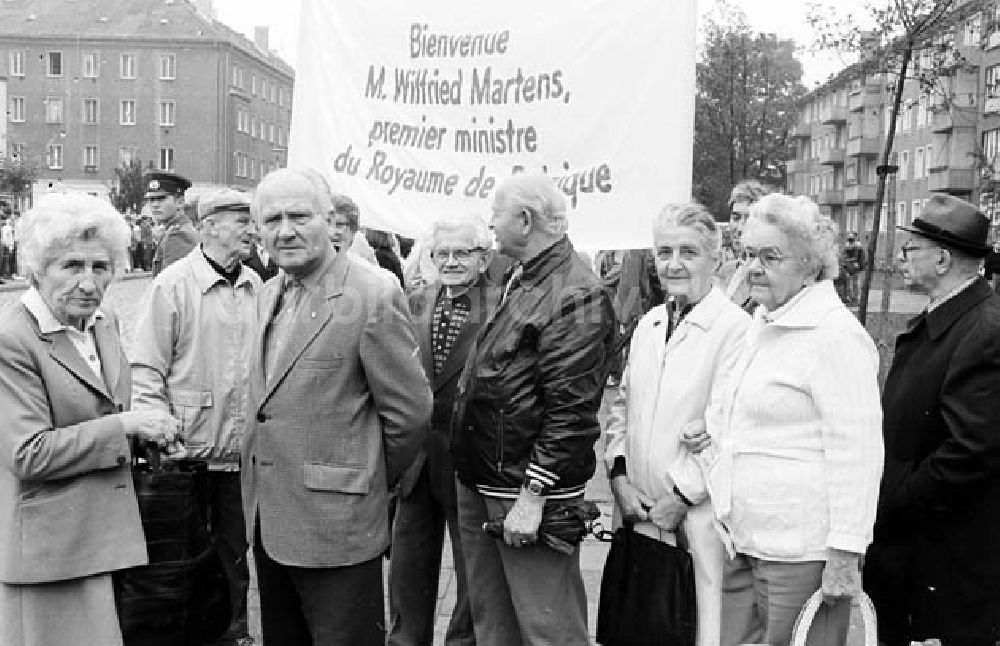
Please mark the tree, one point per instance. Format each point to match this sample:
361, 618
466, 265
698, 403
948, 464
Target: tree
16, 176
900, 28
128, 188
747, 87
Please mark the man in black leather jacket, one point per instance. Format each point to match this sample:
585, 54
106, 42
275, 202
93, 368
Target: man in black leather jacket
525, 421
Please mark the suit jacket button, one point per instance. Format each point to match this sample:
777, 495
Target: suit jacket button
261, 417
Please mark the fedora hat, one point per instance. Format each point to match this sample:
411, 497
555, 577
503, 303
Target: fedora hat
954, 223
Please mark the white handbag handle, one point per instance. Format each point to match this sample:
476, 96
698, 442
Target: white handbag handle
811, 607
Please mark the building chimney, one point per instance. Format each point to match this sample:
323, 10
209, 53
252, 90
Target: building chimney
260, 37
205, 8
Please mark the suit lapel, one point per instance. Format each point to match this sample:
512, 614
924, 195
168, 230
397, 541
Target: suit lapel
65, 354
422, 305
109, 349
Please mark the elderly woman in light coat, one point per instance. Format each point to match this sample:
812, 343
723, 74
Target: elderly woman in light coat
68, 511
677, 352
797, 452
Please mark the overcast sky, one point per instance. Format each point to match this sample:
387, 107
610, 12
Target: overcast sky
787, 18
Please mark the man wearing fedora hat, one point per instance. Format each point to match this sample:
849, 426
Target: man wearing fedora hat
933, 570
165, 198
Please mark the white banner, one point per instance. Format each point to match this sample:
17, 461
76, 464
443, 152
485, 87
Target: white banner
420, 108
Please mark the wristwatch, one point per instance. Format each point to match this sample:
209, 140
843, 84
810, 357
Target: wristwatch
535, 487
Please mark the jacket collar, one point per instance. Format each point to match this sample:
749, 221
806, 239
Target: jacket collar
708, 309
538, 268
944, 315
205, 275
806, 309
47, 322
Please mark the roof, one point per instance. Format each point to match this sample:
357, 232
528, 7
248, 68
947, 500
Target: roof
175, 20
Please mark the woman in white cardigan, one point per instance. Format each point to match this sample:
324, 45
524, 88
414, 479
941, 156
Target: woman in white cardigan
676, 352
797, 453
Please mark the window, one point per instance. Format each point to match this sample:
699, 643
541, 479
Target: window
167, 113
166, 158
915, 212
16, 67
168, 67
91, 65
55, 64
991, 147
253, 168
126, 66
281, 136
238, 76
126, 113
91, 112
904, 165
263, 89
54, 156
973, 30
281, 96
918, 163
270, 132
901, 213
53, 109
15, 109
928, 159
253, 127
253, 85
90, 157
274, 95
127, 154
17, 151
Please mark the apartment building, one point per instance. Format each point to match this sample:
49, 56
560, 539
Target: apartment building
92, 84
842, 128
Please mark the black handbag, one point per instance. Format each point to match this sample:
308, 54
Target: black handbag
182, 595
647, 594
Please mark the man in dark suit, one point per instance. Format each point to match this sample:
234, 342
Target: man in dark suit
447, 315
261, 261
338, 402
165, 197
933, 569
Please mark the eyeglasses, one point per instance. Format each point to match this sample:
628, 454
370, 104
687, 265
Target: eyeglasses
905, 250
769, 257
461, 255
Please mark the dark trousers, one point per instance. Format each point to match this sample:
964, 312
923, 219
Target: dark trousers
7, 265
415, 566
519, 595
319, 606
228, 531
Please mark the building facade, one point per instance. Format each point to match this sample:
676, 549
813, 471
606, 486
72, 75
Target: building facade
93, 84
940, 137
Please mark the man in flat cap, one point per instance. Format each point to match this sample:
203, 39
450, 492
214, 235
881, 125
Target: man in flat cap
190, 358
933, 569
165, 197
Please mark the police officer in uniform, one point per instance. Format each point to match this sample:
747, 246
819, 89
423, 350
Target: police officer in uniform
165, 197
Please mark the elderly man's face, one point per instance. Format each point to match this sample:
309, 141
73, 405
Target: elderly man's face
918, 260
507, 223
292, 225
73, 283
737, 220
341, 231
233, 232
163, 208
457, 258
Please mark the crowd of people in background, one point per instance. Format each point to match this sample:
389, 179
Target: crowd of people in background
353, 396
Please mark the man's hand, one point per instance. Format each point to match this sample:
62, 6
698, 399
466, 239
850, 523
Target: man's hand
520, 527
668, 512
695, 438
633, 504
841, 576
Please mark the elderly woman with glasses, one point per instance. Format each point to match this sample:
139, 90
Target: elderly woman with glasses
677, 352
68, 511
796, 458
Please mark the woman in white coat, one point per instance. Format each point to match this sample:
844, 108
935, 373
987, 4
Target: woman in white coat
676, 354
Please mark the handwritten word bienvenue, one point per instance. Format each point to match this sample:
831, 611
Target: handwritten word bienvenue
426, 45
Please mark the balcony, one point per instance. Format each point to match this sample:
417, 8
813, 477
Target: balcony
798, 166
830, 197
801, 131
832, 157
836, 115
860, 193
946, 120
864, 147
951, 180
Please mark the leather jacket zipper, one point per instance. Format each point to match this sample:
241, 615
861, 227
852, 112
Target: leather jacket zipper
500, 430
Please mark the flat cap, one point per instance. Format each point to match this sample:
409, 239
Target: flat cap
158, 182
223, 200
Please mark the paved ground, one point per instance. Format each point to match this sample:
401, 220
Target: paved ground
124, 295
